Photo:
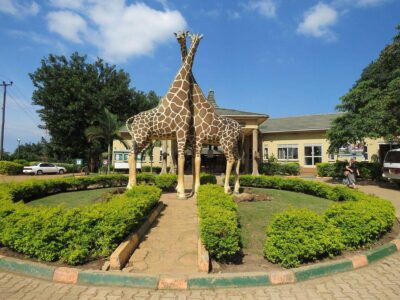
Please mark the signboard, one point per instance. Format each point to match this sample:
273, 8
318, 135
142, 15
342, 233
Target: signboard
105, 162
78, 161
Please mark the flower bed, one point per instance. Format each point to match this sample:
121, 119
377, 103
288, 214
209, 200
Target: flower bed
296, 236
77, 235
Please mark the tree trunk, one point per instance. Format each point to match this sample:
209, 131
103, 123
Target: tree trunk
108, 158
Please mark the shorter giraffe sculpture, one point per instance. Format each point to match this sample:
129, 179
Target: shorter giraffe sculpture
171, 119
212, 129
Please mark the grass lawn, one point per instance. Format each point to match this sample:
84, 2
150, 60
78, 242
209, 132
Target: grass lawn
255, 216
73, 199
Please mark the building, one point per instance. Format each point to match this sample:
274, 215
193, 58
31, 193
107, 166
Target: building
300, 139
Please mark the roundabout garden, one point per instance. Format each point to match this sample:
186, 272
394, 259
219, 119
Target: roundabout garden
297, 224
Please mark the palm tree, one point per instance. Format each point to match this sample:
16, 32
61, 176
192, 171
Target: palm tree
107, 128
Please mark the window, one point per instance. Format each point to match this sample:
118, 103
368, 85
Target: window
331, 156
365, 152
286, 152
126, 155
312, 154
265, 153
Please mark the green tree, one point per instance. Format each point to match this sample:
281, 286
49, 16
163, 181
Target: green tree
73, 93
372, 106
106, 128
31, 151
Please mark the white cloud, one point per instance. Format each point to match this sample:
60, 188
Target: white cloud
19, 8
70, 4
67, 24
360, 3
233, 15
119, 30
317, 22
266, 8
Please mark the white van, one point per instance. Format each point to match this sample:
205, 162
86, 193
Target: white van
391, 166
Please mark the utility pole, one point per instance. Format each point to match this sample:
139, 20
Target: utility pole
4, 84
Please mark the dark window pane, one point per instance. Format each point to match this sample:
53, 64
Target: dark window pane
317, 151
308, 161
307, 151
317, 160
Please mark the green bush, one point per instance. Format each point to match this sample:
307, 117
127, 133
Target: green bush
21, 162
74, 235
361, 222
207, 178
33, 189
148, 169
368, 170
296, 236
275, 168
10, 168
219, 228
166, 182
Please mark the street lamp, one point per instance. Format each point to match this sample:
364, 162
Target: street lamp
19, 142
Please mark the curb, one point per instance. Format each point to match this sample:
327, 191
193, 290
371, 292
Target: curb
121, 255
205, 281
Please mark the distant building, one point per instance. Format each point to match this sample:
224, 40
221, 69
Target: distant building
300, 139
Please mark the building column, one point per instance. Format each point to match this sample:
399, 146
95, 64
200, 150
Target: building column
164, 157
246, 155
256, 154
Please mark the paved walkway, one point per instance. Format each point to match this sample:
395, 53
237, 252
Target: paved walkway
170, 247
380, 280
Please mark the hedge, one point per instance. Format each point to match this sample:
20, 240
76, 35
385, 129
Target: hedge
275, 168
148, 169
33, 189
368, 170
76, 235
219, 227
207, 178
297, 235
10, 168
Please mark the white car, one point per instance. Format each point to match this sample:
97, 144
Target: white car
44, 168
391, 166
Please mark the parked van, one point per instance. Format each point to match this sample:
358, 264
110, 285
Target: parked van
391, 166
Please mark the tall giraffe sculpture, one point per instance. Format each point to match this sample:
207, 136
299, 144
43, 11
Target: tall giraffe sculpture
212, 129
171, 119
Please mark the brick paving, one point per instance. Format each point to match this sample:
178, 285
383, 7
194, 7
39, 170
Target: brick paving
171, 244
380, 280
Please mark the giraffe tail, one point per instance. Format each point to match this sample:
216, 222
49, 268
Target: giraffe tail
241, 146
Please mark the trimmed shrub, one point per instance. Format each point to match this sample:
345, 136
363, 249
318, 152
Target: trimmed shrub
207, 178
219, 228
156, 169
10, 168
361, 222
34, 189
166, 182
21, 162
368, 170
296, 236
77, 235
275, 168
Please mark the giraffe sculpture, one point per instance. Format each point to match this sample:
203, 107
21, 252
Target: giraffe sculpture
212, 129
171, 119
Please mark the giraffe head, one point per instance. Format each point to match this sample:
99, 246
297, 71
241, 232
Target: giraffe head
181, 36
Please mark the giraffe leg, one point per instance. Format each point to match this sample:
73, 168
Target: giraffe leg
181, 177
229, 164
237, 184
197, 171
132, 170
193, 176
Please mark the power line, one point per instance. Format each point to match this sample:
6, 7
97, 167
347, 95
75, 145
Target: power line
22, 105
27, 113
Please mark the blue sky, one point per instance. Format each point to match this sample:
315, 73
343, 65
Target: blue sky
279, 57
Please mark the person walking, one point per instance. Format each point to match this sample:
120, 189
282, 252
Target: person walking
352, 172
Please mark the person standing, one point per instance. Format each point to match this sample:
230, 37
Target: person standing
352, 172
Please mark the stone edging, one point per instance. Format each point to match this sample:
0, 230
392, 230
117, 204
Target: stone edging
200, 281
121, 255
